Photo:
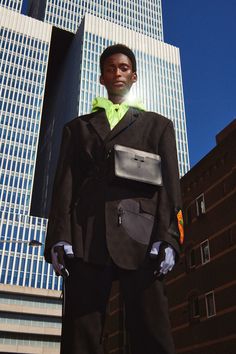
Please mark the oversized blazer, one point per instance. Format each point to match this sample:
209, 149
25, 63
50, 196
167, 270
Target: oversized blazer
105, 217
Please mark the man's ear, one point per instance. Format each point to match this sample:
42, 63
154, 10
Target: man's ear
134, 77
101, 80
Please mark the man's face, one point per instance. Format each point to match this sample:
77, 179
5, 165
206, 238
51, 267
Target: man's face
118, 76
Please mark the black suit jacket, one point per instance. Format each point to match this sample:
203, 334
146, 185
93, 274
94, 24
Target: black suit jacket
88, 200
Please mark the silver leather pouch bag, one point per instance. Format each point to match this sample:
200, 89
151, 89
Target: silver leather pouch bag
137, 165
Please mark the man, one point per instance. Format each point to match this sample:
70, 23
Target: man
115, 228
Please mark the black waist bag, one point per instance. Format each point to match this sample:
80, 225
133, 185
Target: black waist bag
137, 165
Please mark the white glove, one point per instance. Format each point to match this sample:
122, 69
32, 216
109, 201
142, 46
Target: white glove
168, 262
57, 262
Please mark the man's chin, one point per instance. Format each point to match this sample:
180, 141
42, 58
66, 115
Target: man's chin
120, 91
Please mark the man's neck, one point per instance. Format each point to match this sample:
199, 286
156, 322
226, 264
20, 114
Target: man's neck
116, 99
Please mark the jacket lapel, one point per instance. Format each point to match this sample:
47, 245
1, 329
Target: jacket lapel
128, 119
100, 123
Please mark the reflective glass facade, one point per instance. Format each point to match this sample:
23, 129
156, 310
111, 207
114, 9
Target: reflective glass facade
20, 263
15, 5
24, 51
142, 16
23, 70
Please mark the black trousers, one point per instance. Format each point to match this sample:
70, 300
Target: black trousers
87, 292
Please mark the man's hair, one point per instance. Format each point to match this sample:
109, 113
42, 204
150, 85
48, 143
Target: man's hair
115, 49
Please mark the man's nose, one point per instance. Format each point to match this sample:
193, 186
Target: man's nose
117, 72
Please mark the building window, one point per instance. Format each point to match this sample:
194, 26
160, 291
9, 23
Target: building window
188, 214
200, 205
194, 307
190, 259
195, 312
210, 304
205, 251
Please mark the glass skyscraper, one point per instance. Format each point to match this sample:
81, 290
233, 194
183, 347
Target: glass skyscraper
14, 5
24, 57
142, 16
24, 51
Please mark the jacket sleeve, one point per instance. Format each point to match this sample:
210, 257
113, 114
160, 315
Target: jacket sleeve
169, 199
59, 224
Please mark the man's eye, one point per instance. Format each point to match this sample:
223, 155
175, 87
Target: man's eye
124, 68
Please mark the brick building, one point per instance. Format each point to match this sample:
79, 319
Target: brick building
202, 288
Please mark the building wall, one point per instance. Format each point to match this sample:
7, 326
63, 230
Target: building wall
24, 48
14, 5
144, 17
30, 320
202, 288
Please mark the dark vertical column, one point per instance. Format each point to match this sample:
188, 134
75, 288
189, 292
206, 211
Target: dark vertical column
60, 106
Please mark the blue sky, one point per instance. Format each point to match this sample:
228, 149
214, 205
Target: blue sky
24, 6
205, 32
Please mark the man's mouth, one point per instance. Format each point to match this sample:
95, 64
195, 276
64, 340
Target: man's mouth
118, 83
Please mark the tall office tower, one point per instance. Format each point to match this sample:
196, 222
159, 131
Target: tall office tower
142, 16
24, 48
